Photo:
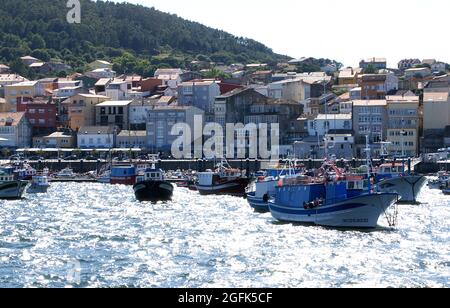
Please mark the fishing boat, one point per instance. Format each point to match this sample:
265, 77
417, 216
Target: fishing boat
264, 187
392, 178
24, 171
39, 184
124, 175
10, 188
333, 202
152, 187
223, 181
260, 191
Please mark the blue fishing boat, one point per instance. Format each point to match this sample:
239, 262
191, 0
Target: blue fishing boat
339, 203
331, 198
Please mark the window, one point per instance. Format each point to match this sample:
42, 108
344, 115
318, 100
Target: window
41, 111
41, 121
31, 111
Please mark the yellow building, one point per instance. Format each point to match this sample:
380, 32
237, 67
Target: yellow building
56, 140
2, 105
403, 125
26, 89
81, 109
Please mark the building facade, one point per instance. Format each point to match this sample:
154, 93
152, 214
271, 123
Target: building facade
403, 125
15, 129
96, 137
369, 119
162, 119
113, 113
81, 109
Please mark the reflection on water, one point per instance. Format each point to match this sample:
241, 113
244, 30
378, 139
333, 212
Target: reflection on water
97, 235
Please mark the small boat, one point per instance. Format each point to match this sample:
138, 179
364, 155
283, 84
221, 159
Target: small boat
11, 189
152, 187
105, 177
39, 184
24, 171
66, 173
223, 181
440, 181
446, 187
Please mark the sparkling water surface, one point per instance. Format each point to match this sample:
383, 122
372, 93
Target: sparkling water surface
96, 235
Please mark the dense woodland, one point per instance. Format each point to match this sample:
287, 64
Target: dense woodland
135, 38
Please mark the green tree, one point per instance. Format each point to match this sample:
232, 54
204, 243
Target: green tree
370, 69
37, 42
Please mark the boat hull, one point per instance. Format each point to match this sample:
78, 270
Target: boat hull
235, 188
13, 190
258, 204
153, 191
37, 189
408, 187
358, 212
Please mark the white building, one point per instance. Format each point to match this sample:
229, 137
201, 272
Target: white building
139, 110
325, 122
346, 107
96, 137
67, 91
101, 73
15, 129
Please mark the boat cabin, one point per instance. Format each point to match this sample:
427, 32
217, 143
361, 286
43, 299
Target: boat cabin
151, 175
6, 177
394, 168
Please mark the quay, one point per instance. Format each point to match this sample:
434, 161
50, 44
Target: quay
251, 165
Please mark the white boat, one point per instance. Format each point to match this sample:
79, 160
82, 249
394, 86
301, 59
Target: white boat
11, 189
393, 178
39, 184
105, 177
408, 187
440, 181
66, 173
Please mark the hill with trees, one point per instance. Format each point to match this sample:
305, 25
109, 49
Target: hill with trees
135, 38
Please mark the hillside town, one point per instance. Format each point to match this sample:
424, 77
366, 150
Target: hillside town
405, 111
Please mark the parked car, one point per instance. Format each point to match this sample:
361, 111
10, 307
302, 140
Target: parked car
90, 158
36, 158
16, 157
71, 157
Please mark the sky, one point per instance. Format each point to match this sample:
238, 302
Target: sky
346, 30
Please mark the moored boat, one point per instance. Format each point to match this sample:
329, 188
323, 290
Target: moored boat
125, 175
66, 173
223, 181
329, 198
39, 184
152, 187
10, 188
392, 178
